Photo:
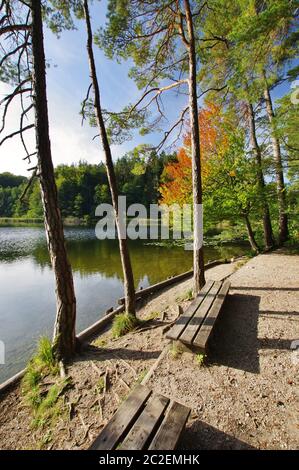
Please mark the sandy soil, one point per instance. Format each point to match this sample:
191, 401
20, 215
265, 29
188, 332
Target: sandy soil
247, 396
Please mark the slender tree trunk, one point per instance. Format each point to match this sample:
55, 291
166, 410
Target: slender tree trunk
123, 246
268, 233
64, 339
250, 233
281, 193
198, 257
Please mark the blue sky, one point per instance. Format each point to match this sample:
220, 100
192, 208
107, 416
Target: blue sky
67, 83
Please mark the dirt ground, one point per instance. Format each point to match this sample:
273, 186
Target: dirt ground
245, 397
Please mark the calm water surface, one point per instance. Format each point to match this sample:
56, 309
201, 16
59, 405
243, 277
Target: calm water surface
27, 299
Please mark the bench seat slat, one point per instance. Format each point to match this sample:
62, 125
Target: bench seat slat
171, 428
114, 431
183, 320
201, 339
146, 424
193, 326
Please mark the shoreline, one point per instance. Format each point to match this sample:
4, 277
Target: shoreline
107, 319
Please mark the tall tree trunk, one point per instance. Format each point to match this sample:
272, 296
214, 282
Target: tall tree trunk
123, 246
281, 193
268, 233
64, 339
250, 233
198, 257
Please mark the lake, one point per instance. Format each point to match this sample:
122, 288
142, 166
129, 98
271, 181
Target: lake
27, 298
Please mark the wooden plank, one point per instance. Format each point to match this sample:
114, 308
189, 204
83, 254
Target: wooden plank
123, 419
199, 316
146, 424
183, 320
201, 339
171, 428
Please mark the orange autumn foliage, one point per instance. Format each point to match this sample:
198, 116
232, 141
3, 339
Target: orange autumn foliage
177, 176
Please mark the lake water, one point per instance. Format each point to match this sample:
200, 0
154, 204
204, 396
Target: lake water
27, 298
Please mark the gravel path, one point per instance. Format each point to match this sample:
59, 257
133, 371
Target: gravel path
247, 396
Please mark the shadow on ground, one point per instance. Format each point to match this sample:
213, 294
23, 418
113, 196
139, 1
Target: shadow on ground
95, 353
201, 436
235, 342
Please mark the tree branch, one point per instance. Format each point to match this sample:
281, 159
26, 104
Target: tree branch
14, 27
33, 176
13, 134
84, 104
167, 133
158, 91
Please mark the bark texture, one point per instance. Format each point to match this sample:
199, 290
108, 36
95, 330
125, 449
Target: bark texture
198, 257
281, 190
250, 234
268, 233
64, 338
123, 246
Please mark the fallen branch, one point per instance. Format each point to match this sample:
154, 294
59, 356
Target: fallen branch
126, 364
96, 368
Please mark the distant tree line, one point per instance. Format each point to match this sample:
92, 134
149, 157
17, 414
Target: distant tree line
83, 186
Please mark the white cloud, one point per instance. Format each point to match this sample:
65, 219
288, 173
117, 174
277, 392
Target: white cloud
70, 142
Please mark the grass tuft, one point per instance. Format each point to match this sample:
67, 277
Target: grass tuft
46, 405
176, 350
200, 359
100, 342
123, 324
100, 385
187, 296
152, 316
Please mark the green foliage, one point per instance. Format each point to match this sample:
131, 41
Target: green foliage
152, 316
82, 187
100, 385
187, 296
41, 364
46, 406
100, 342
123, 324
45, 354
50, 408
8, 180
200, 359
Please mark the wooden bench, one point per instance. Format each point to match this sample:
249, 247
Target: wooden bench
195, 325
144, 421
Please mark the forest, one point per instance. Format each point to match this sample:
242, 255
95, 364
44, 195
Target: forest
208, 119
82, 187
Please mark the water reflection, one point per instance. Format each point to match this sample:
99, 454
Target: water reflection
27, 306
